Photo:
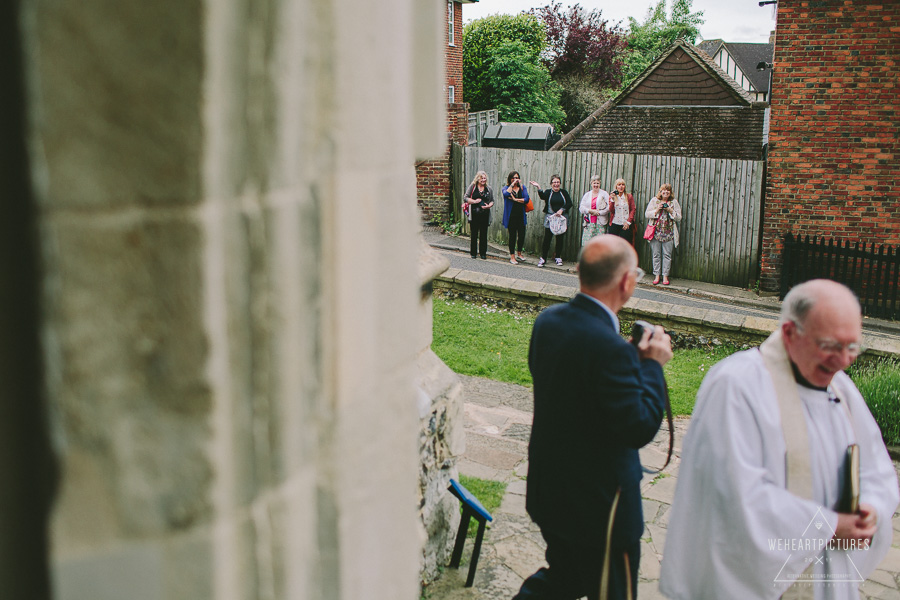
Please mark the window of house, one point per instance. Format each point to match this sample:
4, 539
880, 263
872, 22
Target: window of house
451, 94
450, 23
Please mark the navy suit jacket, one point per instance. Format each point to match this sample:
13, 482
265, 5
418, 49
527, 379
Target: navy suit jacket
595, 404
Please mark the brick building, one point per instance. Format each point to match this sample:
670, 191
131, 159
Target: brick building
433, 176
683, 104
835, 120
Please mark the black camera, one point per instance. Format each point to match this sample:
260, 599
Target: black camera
637, 331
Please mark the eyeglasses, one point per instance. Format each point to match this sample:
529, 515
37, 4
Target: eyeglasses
834, 346
638, 274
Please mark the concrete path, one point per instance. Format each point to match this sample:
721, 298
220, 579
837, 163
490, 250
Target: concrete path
498, 423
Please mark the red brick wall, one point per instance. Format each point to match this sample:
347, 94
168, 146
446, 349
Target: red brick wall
433, 176
834, 148
455, 52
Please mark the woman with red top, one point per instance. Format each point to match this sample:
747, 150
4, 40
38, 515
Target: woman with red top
621, 212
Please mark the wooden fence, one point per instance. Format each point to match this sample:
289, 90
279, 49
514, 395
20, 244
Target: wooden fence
721, 202
872, 272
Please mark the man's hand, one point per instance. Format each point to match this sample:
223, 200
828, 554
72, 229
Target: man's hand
658, 347
860, 527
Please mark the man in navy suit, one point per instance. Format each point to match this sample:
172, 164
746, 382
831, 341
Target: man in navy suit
597, 400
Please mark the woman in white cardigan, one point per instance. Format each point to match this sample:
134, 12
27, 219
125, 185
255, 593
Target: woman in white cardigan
664, 212
594, 207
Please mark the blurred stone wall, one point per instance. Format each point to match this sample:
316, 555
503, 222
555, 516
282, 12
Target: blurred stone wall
231, 301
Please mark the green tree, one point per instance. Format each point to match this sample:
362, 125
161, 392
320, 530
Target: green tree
647, 40
521, 88
584, 55
481, 37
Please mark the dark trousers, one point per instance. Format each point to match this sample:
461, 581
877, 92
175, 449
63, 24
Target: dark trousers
478, 227
516, 234
574, 572
625, 234
548, 237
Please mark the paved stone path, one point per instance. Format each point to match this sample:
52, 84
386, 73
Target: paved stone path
498, 423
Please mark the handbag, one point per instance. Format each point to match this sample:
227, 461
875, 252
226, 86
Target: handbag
529, 206
557, 224
650, 232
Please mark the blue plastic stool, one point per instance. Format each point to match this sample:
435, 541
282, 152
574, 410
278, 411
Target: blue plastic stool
471, 508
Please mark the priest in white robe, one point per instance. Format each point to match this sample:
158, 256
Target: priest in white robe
764, 464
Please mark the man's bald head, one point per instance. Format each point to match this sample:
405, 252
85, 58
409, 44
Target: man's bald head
603, 260
803, 297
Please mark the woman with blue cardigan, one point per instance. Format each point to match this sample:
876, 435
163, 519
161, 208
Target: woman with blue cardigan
515, 197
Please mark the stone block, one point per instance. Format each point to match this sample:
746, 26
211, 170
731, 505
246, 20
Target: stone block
113, 139
450, 274
759, 325
558, 293
687, 314
502, 284
134, 571
475, 279
518, 486
528, 288
649, 567
724, 320
513, 504
651, 308
521, 555
662, 491
471, 468
189, 565
881, 346
129, 356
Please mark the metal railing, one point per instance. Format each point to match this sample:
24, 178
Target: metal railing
872, 272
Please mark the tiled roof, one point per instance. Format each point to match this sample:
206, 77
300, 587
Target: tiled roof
747, 56
702, 59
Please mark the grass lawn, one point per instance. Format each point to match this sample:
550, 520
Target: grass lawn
879, 383
485, 341
482, 340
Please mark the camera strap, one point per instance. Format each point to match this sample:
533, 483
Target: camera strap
671, 435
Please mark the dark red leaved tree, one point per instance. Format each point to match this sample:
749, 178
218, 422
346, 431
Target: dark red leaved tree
581, 44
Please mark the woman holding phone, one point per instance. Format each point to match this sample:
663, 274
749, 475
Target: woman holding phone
515, 197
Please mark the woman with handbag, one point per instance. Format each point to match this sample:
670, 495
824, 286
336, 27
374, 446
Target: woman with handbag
515, 205
556, 203
479, 199
621, 212
594, 207
663, 214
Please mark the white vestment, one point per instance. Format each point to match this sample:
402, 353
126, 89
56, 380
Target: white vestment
734, 530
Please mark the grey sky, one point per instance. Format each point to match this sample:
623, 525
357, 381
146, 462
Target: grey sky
730, 20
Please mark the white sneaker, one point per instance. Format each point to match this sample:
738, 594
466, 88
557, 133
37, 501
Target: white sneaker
541, 262
558, 262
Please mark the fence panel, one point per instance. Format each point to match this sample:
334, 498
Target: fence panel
720, 201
